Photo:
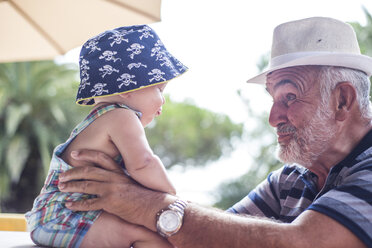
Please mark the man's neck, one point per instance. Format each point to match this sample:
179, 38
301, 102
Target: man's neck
342, 144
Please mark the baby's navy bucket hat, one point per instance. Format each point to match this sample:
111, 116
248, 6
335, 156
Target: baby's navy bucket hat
122, 60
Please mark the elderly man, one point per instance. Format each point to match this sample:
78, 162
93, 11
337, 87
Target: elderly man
322, 197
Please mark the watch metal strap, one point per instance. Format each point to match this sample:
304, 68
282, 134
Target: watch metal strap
178, 206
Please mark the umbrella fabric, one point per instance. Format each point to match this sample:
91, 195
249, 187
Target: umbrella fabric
43, 29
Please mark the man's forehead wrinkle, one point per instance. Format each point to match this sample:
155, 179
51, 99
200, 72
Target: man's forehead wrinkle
295, 76
298, 77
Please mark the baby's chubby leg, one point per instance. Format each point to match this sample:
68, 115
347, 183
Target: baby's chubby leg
111, 231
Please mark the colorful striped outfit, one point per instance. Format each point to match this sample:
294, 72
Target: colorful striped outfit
50, 222
346, 196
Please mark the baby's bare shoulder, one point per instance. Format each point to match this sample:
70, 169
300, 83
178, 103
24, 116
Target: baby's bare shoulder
118, 116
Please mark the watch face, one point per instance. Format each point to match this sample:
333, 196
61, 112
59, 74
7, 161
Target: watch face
169, 221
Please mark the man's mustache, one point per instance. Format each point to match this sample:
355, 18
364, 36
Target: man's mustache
285, 129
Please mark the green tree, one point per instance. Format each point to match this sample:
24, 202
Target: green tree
36, 111
264, 162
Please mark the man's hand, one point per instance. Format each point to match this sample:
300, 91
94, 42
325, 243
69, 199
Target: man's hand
116, 192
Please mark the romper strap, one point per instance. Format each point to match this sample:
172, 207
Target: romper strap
139, 114
97, 112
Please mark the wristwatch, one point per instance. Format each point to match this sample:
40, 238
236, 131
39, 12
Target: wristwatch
169, 220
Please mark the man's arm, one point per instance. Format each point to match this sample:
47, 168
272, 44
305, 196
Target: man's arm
211, 228
202, 227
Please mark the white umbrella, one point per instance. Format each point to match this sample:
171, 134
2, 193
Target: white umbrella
43, 29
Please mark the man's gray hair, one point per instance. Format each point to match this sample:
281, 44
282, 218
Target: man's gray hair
330, 76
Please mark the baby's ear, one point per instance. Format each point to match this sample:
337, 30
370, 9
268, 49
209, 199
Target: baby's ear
124, 95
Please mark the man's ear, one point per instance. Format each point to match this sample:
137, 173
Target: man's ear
345, 96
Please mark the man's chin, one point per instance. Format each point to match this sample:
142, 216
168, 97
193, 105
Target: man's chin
282, 153
285, 155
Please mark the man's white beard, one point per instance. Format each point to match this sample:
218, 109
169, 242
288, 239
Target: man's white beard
308, 143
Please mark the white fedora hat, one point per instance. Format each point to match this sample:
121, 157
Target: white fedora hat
315, 41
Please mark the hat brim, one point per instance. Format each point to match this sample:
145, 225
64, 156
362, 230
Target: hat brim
358, 62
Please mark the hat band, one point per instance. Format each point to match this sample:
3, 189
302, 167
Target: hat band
351, 60
286, 58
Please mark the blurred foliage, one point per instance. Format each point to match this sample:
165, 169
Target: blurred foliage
364, 33
191, 136
38, 112
264, 137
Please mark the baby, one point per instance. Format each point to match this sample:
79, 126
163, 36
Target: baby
123, 74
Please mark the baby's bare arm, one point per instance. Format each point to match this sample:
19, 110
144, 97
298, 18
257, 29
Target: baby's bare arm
126, 132
153, 174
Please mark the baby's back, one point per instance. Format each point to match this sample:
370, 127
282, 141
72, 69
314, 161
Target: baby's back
93, 137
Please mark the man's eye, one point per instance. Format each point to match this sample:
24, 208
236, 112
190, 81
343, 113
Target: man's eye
290, 97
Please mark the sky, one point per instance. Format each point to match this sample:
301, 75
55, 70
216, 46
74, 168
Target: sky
221, 42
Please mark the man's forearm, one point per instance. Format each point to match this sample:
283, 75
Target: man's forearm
205, 227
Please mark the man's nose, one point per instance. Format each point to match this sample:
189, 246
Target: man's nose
278, 114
